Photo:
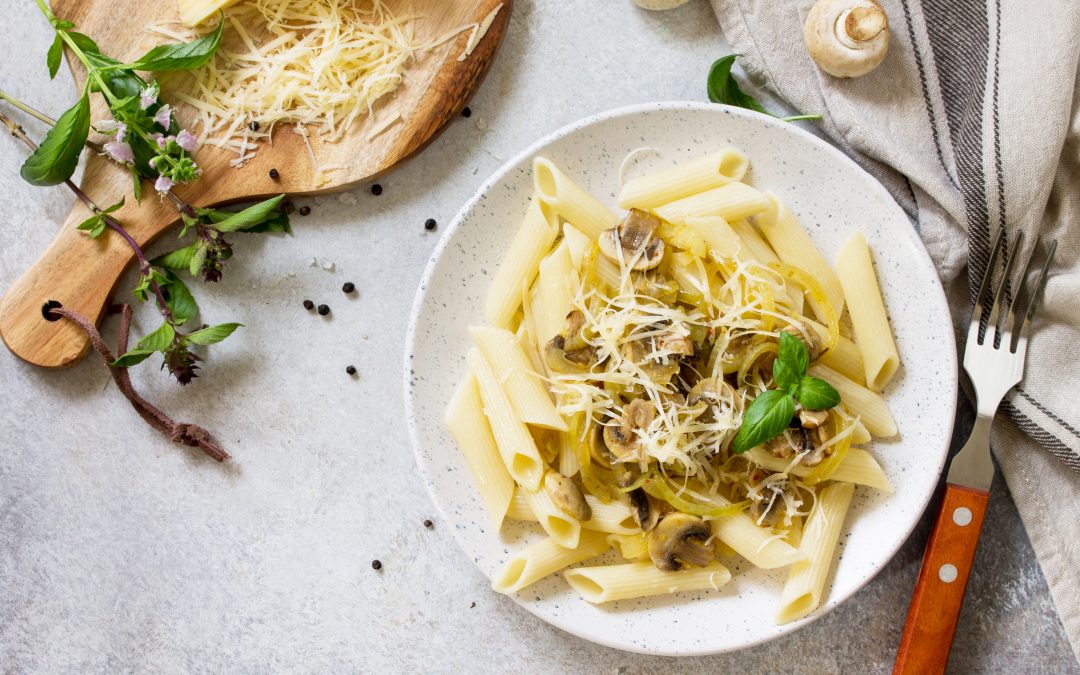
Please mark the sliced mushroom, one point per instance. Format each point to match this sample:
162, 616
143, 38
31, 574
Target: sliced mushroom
806, 335
766, 511
812, 419
597, 449
567, 495
678, 542
659, 371
567, 352
676, 344
814, 446
622, 438
632, 242
642, 510
847, 38
714, 392
780, 447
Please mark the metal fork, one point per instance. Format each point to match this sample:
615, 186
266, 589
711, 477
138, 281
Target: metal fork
994, 360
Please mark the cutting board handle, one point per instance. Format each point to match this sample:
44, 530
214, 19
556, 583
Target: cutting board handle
76, 271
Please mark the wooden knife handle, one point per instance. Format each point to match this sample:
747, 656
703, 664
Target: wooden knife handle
939, 592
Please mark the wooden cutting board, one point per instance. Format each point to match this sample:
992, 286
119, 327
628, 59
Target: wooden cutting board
81, 273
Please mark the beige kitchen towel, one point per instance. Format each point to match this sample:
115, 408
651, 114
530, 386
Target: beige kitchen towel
973, 124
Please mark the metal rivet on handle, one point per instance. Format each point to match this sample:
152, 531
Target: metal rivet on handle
947, 573
962, 516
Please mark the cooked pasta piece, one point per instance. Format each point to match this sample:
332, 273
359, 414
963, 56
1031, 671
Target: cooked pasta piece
554, 295
528, 395
563, 528
632, 547
608, 583
858, 466
516, 445
567, 199
806, 580
469, 427
721, 239
867, 308
613, 518
730, 202
577, 241
754, 247
860, 401
754, 543
861, 435
683, 180
794, 246
545, 557
531, 243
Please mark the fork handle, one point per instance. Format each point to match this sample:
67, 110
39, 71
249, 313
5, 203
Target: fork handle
939, 592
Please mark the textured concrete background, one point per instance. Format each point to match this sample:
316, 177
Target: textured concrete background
121, 552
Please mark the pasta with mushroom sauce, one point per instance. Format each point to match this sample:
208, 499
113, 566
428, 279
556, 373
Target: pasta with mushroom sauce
673, 385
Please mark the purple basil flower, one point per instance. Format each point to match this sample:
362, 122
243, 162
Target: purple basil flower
163, 116
163, 184
121, 129
120, 152
148, 97
162, 140
186, 140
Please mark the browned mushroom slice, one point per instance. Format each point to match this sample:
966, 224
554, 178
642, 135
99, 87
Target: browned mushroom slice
568, 352
659, 371
812, 419
622, 438
767, 510
678, 542
632, 242
566, 494
806, 335
676, 344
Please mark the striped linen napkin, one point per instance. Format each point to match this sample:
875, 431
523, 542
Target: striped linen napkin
973, 124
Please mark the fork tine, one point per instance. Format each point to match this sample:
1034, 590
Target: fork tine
1036, 294
995, 311
988, 276
1010, 319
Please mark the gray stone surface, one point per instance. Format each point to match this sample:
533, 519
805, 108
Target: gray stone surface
121, 552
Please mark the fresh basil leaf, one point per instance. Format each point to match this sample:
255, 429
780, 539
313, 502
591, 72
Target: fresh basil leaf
123, 83
213, 334
114, 207
815, 394
132, 357
86, 44
183, 56
252, 215
56, 158
791, 362
136, 187
197, 260
55, 56
278, 223
783, 374
160, 340
765, 418
180, 259
724, 88
61, 24
178, 299
93, 226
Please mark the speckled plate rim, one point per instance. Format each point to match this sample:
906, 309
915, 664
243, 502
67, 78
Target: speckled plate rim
937, 300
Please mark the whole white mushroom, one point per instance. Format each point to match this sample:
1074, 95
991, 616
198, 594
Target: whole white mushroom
657, 5
847, 38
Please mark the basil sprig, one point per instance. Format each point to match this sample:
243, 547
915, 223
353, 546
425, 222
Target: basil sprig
722, 87
771, 412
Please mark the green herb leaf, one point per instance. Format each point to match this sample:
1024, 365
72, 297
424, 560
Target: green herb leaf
791, 361
56, 158
123, 83
251, 216
93, 226
208, 336
815, 394
114, 207
55, 56
136, 187
180, 259
766, 417
178, 299
722, 87
183, 56
85, 44
132, 357
198, 257
160, 340
279, 222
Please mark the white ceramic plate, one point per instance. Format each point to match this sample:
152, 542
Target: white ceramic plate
832, 197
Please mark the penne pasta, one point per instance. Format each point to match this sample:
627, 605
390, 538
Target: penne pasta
531, 243
756, 544
608, 583
806, 580
794, 247
861, 435
568, 200
554, 296
469, 427
858, 466
612, 518
753, 246
868, 406
516, 445
528, 395
564, 529
545, 557
867, 308
719, 236
683, 180
577, 241
730, 202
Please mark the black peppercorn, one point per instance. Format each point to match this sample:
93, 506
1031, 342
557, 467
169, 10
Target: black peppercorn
287, 207
466, 112
430, 224
324, 310
254, 126
376, 565
351, 370
304, 210
473, 605
376, 189
428, 524
274, 175
348, 287
309, 304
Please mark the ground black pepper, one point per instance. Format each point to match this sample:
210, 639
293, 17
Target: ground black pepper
376, 565
376, 189
254, 126
473, 605
324, 310
348, 287
428, 524
274, 174
309, 304
304, 210
430, 224
351, 370
466, 112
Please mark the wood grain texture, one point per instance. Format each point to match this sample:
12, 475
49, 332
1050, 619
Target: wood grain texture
935, 605
81, 273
